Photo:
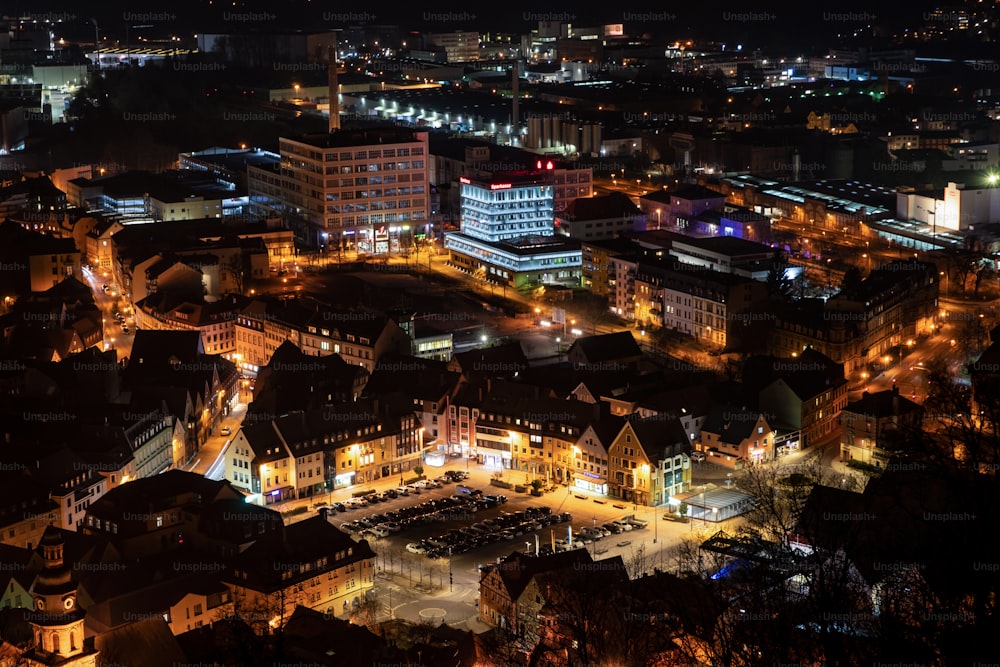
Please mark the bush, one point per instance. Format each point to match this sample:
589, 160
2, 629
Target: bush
866, 468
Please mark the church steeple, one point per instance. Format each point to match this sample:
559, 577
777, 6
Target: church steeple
57, 620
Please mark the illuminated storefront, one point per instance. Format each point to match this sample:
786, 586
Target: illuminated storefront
590, 482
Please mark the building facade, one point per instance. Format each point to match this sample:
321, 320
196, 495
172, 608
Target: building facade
366, 190
507, 232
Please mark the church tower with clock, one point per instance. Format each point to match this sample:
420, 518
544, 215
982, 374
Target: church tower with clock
56, 620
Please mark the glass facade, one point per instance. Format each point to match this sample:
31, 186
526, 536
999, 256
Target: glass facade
506, 212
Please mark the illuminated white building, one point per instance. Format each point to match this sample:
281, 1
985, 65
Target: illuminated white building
956, 209
507, 231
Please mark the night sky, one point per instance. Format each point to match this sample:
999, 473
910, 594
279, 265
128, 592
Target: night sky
770, 23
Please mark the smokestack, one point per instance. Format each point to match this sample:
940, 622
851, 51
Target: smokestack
516, 94
333, 86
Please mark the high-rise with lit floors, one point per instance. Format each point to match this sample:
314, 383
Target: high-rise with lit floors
364, 189
507, 228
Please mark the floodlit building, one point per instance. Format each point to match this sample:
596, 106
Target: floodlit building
507, 232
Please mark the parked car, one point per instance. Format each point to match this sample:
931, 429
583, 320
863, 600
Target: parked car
403, 491
379, 531
624, 525
391, 493
226, 430
443, 479
416, 548
698, 456
340, 507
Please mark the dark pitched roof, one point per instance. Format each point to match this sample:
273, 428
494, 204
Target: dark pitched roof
150, 493
696, 192
660, 438
304, 542
733, 424
160, 349
419, 378
607, 347
315, 638
517, 570
692, 399
497, 360
808, 375
147, 642
885, 403
933, 519
614, 205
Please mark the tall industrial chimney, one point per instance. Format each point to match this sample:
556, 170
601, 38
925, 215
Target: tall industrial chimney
516, 93
333, 85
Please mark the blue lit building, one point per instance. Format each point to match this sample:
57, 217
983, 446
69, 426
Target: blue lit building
508, 232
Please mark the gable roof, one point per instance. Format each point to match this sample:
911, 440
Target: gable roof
607, 347
148, 642
517, 570
496, 360
887, 403
304, 542
733, 424
660, 437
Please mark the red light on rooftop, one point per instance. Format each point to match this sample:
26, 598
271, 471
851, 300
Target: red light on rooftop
548, 165
463, 179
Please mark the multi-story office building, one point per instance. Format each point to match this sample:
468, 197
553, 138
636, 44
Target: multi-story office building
364, 189
507, 232
459, 46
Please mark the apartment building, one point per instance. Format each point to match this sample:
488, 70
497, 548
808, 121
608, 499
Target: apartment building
310, 563
307, 453
358, 337
871, 426
664, 293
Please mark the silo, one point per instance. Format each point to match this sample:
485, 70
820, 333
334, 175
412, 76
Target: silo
595, 138
534, 132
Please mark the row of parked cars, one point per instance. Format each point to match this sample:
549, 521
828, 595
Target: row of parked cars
414, 488
457, 507
508, 526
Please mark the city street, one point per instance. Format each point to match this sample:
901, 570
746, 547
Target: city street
114, 336
210, 460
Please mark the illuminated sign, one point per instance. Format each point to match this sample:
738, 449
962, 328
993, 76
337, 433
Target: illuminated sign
500, 186
463, 179
614, 30
548, 165
381, 234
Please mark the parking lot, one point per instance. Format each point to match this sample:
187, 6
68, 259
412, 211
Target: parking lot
429, 578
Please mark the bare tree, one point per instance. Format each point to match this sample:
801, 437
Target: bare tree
367, 612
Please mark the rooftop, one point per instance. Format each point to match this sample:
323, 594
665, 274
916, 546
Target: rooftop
369, 136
